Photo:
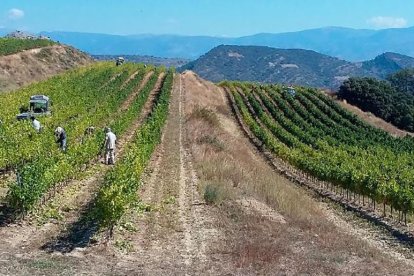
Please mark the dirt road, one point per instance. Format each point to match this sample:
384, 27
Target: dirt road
176, 235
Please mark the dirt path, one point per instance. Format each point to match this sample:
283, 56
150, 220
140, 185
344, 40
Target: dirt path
172, 238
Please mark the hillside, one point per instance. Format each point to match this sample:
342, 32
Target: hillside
345, 43
312, 133
387, 63
37, 64
301, 67
380, 98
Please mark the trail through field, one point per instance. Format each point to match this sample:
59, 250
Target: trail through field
63, 212
174, 237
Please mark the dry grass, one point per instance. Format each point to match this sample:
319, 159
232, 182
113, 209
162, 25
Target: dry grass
374, 121
205, 114
35, 65
307, 243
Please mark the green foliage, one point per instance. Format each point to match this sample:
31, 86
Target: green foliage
118, 192
10, 46
403, 81
211, 194
313, 133
42, 166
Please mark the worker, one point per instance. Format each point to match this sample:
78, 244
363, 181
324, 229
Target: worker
89, 131
109, 145
36, 124
61, 138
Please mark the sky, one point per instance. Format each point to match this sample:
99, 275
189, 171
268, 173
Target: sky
231, 18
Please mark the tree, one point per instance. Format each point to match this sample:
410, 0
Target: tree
382, 98
403, 81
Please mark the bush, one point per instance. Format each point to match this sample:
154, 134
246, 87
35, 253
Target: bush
211, 194
203, 113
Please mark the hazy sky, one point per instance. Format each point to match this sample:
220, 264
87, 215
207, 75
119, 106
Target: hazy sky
202, 17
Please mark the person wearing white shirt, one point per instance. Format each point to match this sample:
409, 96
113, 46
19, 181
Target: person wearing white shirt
110, 142
36, 124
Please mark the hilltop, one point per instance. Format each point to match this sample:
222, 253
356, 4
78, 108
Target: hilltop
36, 60
297, 66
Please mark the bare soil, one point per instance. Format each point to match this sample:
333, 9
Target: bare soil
210, 205
38, 64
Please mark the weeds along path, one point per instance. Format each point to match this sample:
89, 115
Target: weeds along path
58, 216
174, 236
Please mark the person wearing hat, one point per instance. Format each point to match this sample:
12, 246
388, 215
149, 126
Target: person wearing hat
109, 145
60, 135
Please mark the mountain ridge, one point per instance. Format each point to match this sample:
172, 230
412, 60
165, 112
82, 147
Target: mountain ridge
290, 66
346, 43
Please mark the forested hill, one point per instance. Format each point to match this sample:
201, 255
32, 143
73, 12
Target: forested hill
290, 66
387, 63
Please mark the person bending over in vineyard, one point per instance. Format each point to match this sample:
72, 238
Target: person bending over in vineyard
36, 124
110, 141
61, 138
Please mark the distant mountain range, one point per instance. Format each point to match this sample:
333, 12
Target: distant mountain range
290, 66
344, 43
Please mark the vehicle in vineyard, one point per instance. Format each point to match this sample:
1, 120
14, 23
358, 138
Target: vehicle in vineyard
39, 105
291, 90
120, 61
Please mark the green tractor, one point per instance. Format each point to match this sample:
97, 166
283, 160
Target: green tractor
39, 105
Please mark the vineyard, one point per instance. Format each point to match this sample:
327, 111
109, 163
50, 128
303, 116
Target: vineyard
97, 96
319, 140
10, 46
188, 192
